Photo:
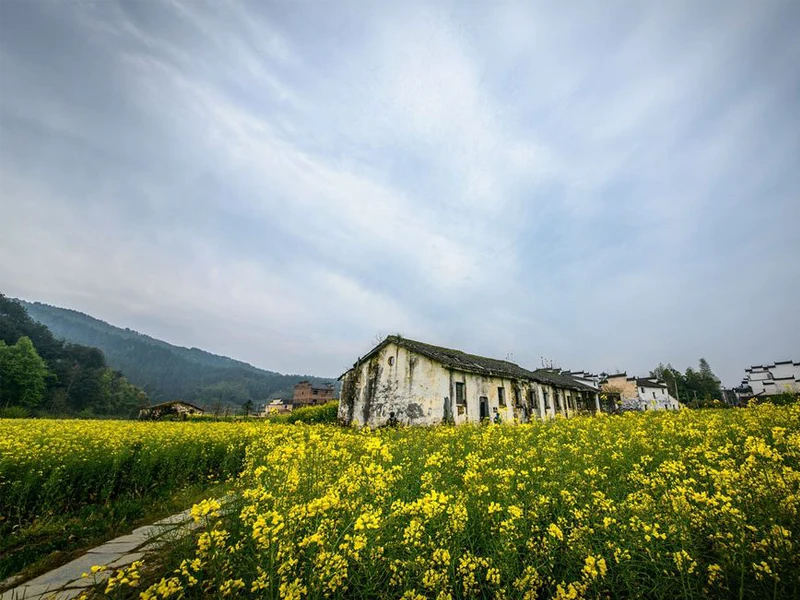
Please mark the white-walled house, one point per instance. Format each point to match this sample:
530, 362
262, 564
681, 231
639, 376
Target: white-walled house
422, 384
637, 393
775, 378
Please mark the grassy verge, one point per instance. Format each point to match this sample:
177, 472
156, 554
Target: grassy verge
44, 545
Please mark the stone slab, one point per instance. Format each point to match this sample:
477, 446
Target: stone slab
73, 570
138, 538
148, 530
126, 560
176, 519
115, 547
28, 591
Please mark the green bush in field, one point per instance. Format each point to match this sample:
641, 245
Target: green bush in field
782, 399
324, 413
14, 412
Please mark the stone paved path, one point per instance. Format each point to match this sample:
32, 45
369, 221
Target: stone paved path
67, 581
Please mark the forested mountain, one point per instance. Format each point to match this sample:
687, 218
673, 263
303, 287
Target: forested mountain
164, 371
42, 374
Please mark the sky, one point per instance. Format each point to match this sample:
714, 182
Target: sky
603, 185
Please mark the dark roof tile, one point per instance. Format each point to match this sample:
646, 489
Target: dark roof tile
481, 365
645, 382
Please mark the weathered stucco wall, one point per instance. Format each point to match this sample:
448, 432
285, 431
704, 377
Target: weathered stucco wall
626, 388
394, 380
422, 392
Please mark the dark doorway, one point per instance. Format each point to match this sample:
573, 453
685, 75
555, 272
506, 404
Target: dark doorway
484, 408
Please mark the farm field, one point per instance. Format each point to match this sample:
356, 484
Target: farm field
66, 483
659, 505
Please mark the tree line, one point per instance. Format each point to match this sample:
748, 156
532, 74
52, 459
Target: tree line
697, 388
42, 374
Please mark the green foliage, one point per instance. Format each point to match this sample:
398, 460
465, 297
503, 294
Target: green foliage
278, 418
49, 543
165, 371
14, 412
23, 374
782, 399
324, 413
47, 375
698, 389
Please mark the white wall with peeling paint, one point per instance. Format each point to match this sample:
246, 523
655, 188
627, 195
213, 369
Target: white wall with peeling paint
417, 389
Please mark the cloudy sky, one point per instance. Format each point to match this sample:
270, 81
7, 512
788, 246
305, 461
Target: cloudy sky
605, 184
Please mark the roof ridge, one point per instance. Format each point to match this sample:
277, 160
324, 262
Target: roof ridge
483, 365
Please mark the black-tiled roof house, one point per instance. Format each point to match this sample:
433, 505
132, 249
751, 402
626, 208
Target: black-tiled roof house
422, 384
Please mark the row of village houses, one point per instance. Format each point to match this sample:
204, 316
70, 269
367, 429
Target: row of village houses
413, 382
304, 394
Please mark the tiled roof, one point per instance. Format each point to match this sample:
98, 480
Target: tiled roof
650, 383
173, 403
482, 365
561, 380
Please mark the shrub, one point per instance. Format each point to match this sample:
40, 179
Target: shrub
13, 412
324, 413
781, 399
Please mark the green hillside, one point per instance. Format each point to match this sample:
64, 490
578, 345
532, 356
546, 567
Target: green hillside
40, 374
165, 371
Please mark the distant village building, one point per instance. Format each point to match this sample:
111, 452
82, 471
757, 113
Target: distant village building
635, 393
305, 394
173, 409
737, 396
771, 379
275, 406
585, 378
418, 383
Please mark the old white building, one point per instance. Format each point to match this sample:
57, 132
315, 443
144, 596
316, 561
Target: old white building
635, 393
775, 378
423, 384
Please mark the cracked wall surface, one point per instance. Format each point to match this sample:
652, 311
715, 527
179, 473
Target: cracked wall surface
420, 391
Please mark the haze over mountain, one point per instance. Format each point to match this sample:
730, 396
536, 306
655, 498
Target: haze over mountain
163, 370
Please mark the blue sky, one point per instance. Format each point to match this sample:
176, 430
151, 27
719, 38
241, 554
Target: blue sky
608, 185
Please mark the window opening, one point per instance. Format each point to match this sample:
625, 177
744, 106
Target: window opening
461, 397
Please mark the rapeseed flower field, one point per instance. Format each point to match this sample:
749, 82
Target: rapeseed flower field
49, 467
658, 505
65, 484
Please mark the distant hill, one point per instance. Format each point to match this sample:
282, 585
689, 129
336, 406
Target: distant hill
42, 375
164, 371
